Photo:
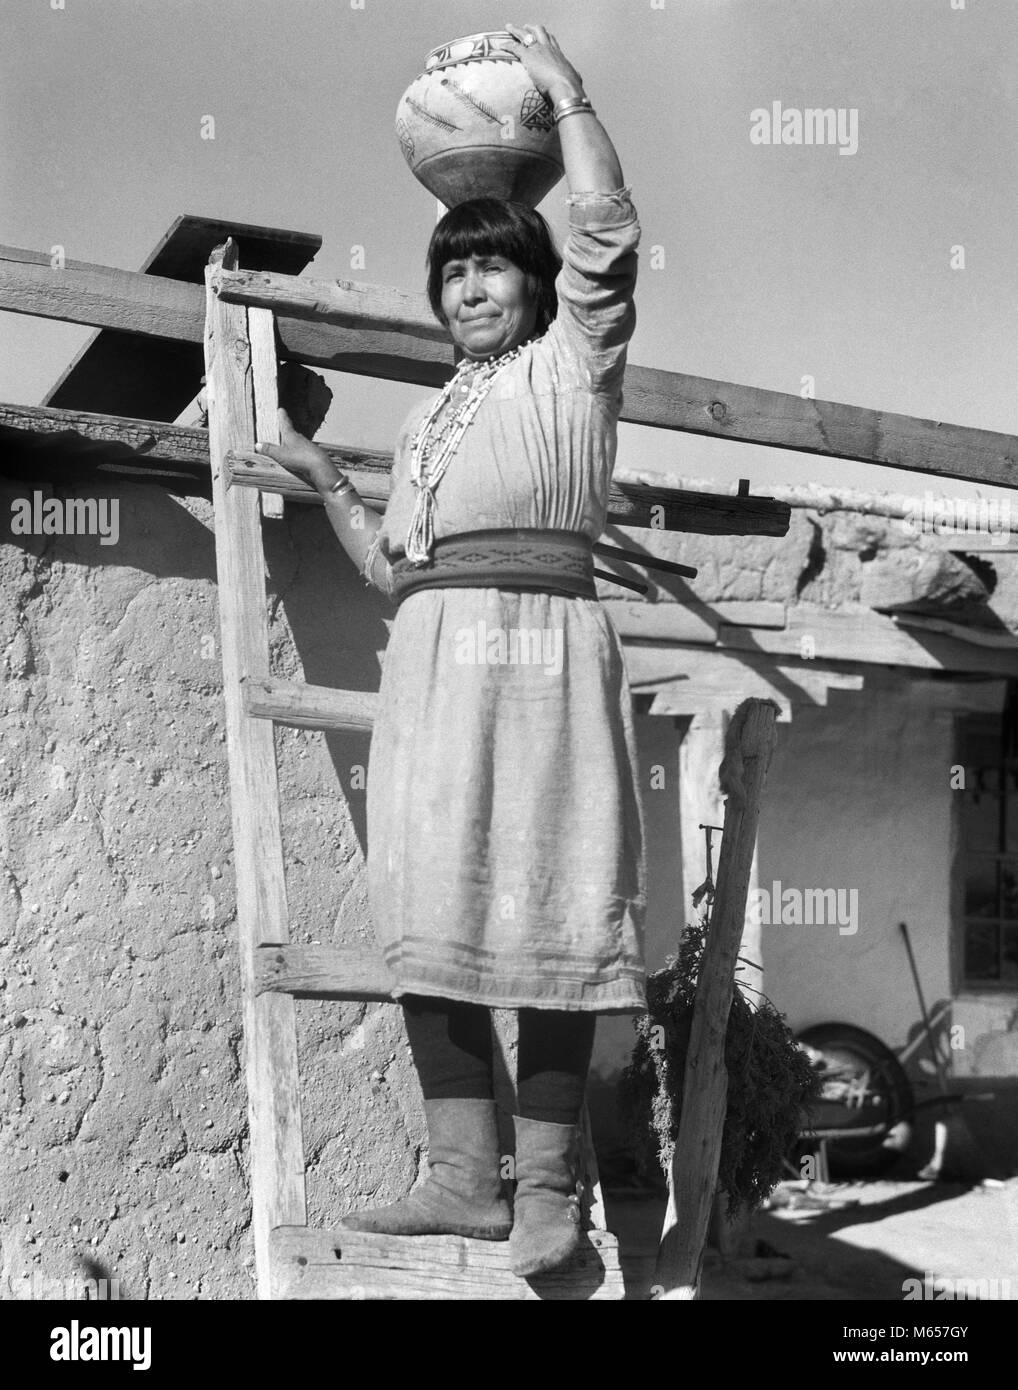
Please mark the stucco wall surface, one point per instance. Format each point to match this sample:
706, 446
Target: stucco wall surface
123, 1125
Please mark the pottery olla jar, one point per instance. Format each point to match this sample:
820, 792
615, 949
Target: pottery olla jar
473, 125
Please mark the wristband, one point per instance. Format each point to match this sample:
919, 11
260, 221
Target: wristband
586, 110
576, 98
579, 103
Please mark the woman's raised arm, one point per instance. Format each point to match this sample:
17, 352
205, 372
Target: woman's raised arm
592, 166
596, 315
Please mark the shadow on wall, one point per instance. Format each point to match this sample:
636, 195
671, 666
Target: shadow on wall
338, 625
337, 622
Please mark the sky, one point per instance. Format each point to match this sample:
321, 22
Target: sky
774, 262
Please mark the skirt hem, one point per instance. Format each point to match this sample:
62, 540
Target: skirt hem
622, 996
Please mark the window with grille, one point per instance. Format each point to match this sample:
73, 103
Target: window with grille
989, 847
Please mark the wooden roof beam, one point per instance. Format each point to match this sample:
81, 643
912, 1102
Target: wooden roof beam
72, 446
674, 400
392, 341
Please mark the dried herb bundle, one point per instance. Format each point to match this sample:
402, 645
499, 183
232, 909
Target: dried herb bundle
771, 1082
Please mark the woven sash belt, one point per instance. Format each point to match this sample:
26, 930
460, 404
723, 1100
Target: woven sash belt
558, 562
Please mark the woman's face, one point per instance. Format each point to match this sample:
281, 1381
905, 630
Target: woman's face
488, 305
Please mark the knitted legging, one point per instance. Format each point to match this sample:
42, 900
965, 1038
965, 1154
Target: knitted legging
452, 1050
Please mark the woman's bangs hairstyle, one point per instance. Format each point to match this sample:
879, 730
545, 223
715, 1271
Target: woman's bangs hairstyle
496, 227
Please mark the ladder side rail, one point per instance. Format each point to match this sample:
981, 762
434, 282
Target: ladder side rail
270, 1041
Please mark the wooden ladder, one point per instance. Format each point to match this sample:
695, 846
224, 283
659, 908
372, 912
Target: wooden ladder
292, 1260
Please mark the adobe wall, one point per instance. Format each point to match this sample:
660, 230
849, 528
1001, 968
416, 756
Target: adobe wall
123, 1127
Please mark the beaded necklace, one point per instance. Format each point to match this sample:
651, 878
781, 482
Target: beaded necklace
430, 455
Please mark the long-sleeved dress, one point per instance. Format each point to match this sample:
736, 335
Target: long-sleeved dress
505, 832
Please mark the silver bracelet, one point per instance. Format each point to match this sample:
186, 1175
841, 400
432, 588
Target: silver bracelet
564, 102
342, 485
575, 111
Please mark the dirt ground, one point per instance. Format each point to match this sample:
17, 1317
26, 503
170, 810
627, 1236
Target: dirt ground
847, 1242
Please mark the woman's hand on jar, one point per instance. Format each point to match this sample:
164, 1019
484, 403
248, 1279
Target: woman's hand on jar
296, 454
548, 67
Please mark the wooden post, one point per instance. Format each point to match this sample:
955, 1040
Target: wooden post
701, 802
748, 747
270, 1040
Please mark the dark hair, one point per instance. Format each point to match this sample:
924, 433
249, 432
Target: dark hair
496, 227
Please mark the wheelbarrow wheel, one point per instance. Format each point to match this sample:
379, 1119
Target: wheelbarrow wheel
864, 1088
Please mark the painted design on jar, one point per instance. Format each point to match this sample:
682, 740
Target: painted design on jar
536, 112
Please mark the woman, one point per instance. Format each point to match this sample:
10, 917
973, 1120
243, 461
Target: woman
505, 854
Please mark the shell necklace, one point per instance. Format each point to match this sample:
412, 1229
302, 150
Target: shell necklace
431, 454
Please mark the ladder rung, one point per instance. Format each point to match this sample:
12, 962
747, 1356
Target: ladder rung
339, 1264
323, 972
308, 706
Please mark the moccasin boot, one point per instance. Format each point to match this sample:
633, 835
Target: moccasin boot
462, 1194
546, 1217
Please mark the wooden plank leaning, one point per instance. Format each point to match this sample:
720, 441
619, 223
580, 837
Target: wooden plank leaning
749, 743
270, 1042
